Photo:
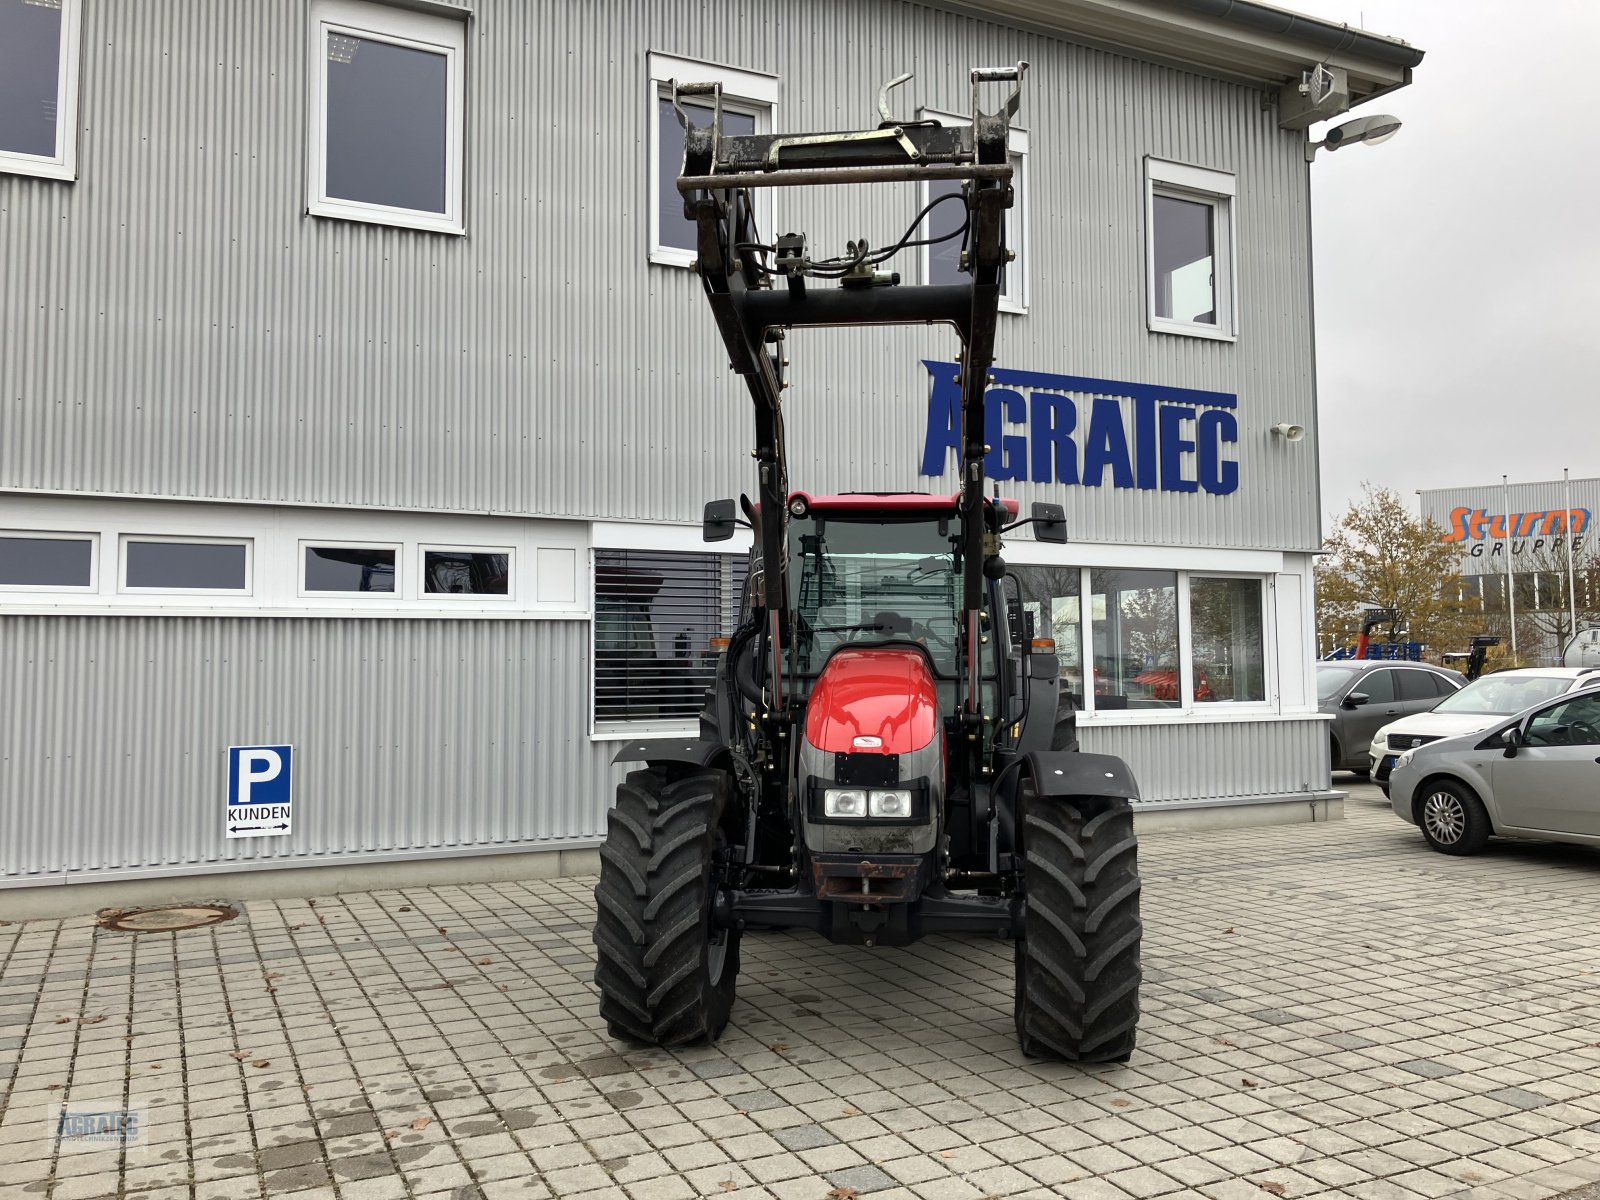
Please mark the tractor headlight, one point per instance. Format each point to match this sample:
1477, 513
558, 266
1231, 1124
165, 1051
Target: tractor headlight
896, 803
844, 802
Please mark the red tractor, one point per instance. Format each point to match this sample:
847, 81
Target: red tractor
881, 755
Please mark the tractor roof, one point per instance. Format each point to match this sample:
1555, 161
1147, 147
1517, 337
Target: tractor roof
895, 503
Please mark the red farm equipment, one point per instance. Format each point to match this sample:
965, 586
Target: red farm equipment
881, 754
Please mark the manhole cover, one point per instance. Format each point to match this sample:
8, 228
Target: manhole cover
168, 918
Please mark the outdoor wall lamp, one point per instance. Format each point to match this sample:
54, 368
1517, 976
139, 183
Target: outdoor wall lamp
1362, 131
1288, 432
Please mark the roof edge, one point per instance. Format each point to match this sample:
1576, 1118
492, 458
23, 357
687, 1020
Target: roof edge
1325, 35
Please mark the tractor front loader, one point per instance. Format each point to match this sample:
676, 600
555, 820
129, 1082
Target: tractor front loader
881, 755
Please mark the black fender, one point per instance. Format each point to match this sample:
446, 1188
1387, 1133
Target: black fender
689, 750
1066, 774
1061, 775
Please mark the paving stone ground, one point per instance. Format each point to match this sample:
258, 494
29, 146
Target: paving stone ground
1330, 1010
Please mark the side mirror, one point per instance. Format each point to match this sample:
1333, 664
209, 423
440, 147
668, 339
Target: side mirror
1049, 522
719, 521
1356, 699
1512, 738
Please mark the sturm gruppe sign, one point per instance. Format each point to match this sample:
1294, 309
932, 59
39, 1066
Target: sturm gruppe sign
1074, 430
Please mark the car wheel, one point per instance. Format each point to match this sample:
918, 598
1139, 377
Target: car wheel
1452, 818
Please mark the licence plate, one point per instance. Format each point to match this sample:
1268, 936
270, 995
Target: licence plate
1388, 762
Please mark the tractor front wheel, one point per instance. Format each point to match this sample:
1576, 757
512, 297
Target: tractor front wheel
1077, 963
666, 970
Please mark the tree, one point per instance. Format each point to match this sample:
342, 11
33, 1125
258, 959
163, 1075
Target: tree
1379, 555
1544, 602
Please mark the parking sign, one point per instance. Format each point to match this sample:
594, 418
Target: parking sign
260, 791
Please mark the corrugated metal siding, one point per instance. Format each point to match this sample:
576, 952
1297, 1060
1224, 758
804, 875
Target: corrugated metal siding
409, 736
1218, 761
174, 325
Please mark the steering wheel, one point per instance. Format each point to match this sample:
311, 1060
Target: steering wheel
1591, 735
927, 633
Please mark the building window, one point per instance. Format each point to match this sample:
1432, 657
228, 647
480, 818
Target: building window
385, 116
655, 615
466, 572
749, 105
942, 227
1135, 637
39, 88
1190, 249
47, 562
341, 569
1227, 636
185, 565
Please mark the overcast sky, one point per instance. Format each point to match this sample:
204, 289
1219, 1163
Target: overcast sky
1456, 265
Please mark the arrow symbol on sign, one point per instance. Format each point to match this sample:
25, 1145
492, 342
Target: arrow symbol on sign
285, 825
242, 828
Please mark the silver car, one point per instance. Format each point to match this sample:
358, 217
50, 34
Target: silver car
1534, 775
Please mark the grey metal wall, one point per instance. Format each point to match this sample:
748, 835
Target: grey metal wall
174, 325
411, 737
1221, 761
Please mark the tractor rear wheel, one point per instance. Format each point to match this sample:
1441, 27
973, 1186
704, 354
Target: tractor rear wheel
1077, 962
666, 971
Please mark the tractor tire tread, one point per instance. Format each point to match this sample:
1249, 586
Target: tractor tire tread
1077, 964
651, 929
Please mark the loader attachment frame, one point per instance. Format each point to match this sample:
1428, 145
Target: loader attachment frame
752, 311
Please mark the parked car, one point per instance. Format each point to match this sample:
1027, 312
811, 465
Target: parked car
1536, 775
1480, 704
1363, 694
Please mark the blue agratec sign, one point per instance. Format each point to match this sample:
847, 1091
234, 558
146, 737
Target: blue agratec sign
260, 791
1074, 430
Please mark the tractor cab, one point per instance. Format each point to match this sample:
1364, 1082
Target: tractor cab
870, 570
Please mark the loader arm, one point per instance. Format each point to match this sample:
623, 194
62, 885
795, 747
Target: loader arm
742, 277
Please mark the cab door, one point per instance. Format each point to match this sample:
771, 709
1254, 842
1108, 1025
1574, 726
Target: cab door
1553, 782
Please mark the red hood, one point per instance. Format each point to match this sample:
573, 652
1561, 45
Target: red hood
881, 693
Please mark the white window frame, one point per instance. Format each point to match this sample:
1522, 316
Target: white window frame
417, 31
1261, 566
1218, 190
278, 536
64, 163
1269, 642
1015, 297
122, 565
751, 92
657, 540
397, 548
512, 566
52, 535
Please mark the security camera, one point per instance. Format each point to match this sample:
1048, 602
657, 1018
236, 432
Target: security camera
1288, 432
